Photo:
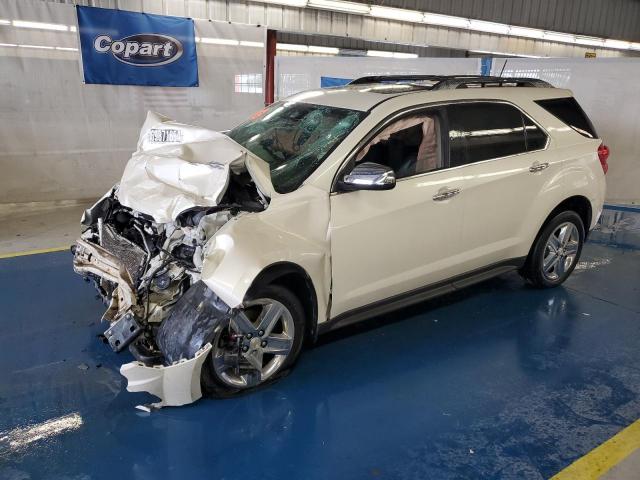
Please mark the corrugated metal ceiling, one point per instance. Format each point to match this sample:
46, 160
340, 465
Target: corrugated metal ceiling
364, 45
619, 19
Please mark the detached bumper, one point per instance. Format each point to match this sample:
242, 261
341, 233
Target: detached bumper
175, 385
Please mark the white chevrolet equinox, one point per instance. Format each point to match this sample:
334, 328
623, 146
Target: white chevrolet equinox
219, 254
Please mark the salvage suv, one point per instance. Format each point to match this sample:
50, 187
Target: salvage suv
220, 254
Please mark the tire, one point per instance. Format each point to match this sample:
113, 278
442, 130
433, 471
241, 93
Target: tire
221, 381
545, 268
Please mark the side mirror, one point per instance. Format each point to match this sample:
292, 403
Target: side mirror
368, 176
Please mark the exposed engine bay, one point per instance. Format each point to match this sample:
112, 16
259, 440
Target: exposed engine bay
141, 268
144, 253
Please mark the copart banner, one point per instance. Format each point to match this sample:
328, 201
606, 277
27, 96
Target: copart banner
129, 48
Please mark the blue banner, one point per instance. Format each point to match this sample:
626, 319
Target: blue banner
485, 66
333, 81
129, 48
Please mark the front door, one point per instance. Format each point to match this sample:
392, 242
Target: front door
386, 243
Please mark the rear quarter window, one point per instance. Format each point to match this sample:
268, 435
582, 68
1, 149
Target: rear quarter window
569, 111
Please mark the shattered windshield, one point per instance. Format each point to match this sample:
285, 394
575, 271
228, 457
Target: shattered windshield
294, 138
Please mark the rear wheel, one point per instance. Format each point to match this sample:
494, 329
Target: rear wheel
257, 346
556, 251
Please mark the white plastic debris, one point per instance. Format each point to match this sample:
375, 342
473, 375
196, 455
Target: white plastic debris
175, 385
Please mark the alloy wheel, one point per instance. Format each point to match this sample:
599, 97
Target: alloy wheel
560, 251
254, 345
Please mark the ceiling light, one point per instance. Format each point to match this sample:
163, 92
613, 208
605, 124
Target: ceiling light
292, 47
404, 55
4, 22
446, 20
559, 37
635, 46
617, 44
40, 25
8, 45
67, 49
592, 41
72, 28
379, 53
489, 27
526, 32
397, 14
491, 52
385, 54
327, 50
340, 6
246, 43
219, 41
36, 46
288, 3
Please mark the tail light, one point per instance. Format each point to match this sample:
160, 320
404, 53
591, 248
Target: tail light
603, 155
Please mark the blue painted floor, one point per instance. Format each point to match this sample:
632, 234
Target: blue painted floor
497, 381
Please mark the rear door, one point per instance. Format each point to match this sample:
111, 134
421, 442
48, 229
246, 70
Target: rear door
502, 154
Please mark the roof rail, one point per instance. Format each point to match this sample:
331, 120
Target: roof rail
451, 82
486, 81
397, 79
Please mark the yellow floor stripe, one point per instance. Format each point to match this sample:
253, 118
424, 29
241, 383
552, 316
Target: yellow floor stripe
604, 457
33, 252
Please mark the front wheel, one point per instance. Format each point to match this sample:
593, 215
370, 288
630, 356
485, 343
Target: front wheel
556, 251
258, 345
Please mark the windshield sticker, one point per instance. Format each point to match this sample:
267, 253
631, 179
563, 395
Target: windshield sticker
157, 135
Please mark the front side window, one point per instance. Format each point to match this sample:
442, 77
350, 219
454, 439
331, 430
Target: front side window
295, 138
409, 146
481, 131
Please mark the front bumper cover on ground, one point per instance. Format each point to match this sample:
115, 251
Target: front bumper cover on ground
184, 337
175, 385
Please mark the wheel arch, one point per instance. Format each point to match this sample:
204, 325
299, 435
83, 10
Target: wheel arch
296, 279
577, 203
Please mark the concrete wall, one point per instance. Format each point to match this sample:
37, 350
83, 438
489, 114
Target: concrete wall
61, 139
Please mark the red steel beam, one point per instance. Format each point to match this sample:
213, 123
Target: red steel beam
270, 68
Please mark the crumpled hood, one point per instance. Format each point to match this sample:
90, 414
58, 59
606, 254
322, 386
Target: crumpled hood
177, 166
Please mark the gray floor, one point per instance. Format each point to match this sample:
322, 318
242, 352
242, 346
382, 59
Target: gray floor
628, 469
36, 226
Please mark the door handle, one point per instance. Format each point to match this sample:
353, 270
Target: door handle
538, 167
446, 193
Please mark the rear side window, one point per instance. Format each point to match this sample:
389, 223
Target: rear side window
570, 112
483, 130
